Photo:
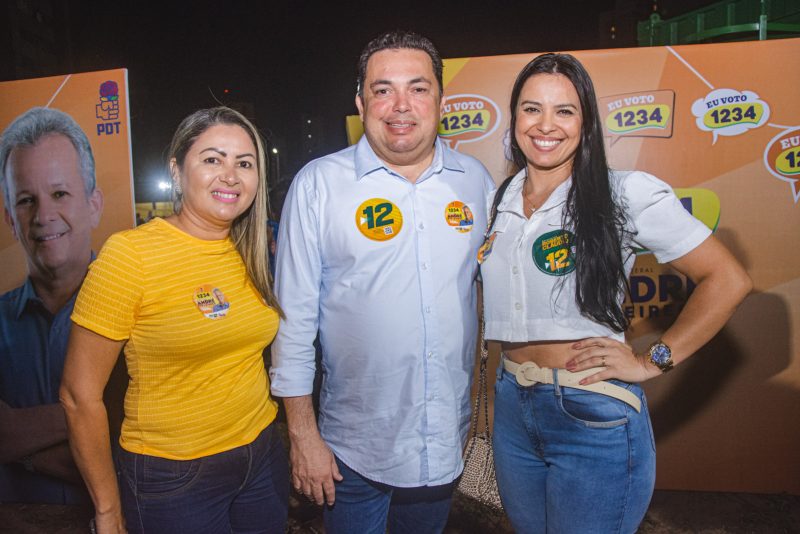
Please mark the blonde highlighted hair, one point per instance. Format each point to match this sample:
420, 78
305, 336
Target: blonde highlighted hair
249, 230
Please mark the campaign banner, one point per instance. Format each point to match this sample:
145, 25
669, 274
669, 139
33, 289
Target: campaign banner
721, 124
98, 101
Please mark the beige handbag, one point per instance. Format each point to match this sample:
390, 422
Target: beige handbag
478, 479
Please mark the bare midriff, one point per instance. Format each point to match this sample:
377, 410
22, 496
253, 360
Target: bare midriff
554, 354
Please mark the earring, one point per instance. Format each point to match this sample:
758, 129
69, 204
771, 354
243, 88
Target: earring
178, 190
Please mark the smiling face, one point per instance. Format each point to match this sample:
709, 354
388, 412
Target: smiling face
219, 180
401, 107
548, 124
50, 213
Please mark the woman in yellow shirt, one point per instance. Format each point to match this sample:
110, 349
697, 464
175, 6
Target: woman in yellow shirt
189, 300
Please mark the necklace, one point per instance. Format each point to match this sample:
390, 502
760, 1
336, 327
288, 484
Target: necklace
528, 207
528, 204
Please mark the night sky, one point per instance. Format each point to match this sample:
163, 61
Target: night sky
291, 59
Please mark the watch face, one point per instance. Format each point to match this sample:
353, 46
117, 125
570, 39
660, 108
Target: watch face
660, 354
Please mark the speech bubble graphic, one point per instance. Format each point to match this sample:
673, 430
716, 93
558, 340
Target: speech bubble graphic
642, 114
729, 112
782, 159
703, 204
468, 118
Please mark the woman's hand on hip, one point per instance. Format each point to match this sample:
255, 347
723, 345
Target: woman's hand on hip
616, 358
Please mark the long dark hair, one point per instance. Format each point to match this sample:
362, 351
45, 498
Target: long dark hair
591, 211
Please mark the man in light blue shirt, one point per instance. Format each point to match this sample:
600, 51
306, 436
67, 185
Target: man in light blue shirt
47, 175
377, 252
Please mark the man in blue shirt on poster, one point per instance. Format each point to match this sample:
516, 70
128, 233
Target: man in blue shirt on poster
377, 253
52, 204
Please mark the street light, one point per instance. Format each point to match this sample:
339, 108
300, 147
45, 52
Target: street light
276, 176
166, 187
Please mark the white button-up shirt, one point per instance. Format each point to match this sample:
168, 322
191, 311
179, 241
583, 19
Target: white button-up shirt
384, 269
528, 273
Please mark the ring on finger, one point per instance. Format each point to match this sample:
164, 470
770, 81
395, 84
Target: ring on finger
603, 361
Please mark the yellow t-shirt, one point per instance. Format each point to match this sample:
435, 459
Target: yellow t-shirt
195, 328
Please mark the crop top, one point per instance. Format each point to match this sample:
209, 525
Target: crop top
526, 260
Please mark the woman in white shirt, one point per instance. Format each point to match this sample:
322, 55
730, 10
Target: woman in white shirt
574, 450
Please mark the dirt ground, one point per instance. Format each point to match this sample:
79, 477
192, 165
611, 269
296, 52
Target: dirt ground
671, 512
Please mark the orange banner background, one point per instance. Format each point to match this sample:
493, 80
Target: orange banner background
726, 420
78, 95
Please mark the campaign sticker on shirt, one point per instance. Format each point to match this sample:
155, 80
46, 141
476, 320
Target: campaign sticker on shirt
486, 248
459, 216
211, 301
379, 219
554, 252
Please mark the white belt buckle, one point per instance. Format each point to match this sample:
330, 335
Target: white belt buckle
523, 380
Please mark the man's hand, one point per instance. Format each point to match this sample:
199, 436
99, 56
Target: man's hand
314, 469
57, 461
26, 431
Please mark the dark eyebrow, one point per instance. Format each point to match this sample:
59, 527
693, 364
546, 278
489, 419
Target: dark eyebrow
212, 149
559, 106
225, 154
421, 79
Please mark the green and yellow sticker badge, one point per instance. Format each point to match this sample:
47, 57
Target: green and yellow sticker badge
379, 219
554, 252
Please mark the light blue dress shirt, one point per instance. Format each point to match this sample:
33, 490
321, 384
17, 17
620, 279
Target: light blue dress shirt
396, 315
33, 346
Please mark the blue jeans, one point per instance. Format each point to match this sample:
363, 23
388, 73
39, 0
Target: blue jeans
243, 490
569, 460
365, 507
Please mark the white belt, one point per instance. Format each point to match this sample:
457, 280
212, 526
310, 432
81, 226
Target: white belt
529, 373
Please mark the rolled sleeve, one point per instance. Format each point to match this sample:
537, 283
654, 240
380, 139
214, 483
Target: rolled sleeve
659, 221
298, 278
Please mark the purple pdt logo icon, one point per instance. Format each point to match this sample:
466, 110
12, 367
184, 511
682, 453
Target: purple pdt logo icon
108, 108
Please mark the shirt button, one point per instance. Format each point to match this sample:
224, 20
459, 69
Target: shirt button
517, 306
515, 269
427, 309
421, 226
424, 266
430, 354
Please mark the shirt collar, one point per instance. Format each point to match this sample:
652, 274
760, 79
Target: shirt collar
367, 162
512, 199
27, 295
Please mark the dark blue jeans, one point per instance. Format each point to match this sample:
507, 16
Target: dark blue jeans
570, 461
366, 507
243, 490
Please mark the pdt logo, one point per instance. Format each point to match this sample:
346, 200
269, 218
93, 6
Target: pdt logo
108, 109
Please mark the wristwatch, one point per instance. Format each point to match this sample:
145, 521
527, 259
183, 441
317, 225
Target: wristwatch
660, 356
